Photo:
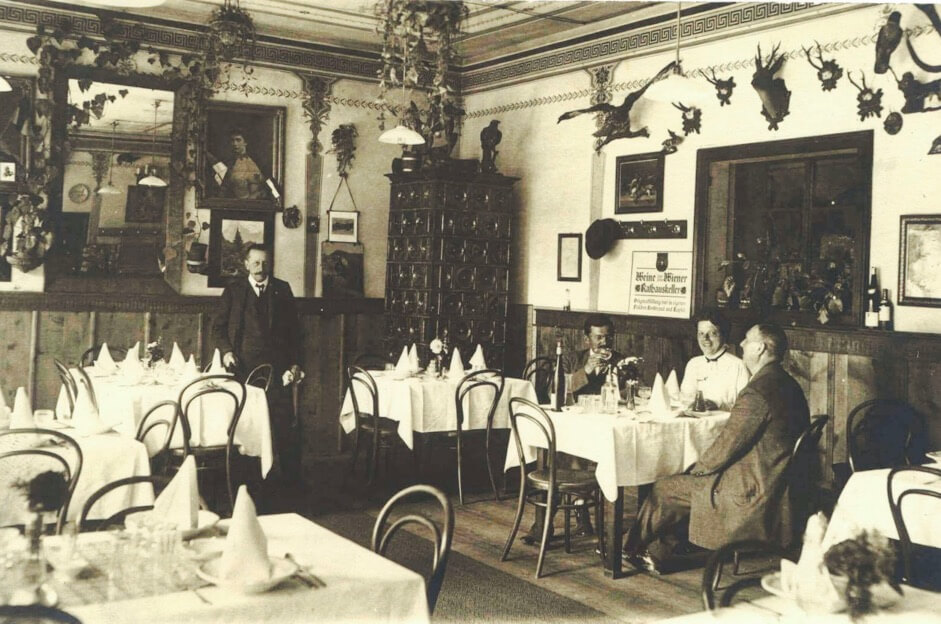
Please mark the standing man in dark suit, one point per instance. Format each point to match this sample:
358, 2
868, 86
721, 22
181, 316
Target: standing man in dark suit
257, 324
737, 489
589, 367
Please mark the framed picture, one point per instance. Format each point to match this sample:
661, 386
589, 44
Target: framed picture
343, 226
920, 261
230, 234
570, 258
144, 204
639, 183
342, 269
16, 113
242, 159
5, 200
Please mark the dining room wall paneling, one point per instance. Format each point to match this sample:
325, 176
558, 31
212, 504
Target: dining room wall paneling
121, 329
61, 335
181, 328
555, 161
14, 351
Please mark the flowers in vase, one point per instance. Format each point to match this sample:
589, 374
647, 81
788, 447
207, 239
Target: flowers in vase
865, 560
439, 350
154, 352
47, 491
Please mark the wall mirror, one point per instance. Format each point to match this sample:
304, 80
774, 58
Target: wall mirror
117, 181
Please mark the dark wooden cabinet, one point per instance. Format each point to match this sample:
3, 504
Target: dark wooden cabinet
448, 262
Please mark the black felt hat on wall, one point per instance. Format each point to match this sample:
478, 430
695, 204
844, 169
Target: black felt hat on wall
601, 236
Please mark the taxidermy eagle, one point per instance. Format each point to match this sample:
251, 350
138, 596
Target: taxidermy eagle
616, 120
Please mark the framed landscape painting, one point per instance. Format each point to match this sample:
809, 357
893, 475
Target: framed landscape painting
920, 260
230, 234
639, 183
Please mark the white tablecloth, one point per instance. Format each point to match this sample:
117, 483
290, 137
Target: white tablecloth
426, 404
360, 586
123, 405
106, 458
630, 448
864, 504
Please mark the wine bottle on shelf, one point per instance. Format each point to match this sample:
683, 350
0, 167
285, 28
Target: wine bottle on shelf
558, 380
871, 318
885, 310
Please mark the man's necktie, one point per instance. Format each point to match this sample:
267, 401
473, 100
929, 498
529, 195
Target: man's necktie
261, 290
715, 359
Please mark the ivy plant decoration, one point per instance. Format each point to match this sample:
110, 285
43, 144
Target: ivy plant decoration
344, 147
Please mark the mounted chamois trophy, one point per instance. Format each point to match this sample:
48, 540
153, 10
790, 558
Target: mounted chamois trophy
692, 117
828, 71
775, 97
723, 87
616, 120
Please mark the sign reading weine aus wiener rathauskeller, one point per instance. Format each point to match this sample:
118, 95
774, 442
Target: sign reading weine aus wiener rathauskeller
661, 283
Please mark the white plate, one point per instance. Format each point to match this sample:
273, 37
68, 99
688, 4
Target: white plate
281, 570
204, 548
204, 520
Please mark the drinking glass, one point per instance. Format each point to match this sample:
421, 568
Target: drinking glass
643, 393
569, 394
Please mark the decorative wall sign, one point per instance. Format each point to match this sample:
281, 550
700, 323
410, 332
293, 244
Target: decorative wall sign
570, 258
920, 261
242, 161
343, 226
661, 283
230, 234
342, 269
639, 183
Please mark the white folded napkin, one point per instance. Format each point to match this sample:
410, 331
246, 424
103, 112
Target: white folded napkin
245, 554
413, 358
216, 367
189, 371
133, 354
673, 386
659, 398
85, 416
132, 370
178, 504
477, 360
177, 361
104, 362
808, 581
456, 371
22, 416
403, 368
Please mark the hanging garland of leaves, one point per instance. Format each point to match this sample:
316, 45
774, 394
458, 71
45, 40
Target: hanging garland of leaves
344, 147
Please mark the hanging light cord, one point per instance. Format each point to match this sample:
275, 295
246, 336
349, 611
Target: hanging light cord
679, 6
114, 129
153, 156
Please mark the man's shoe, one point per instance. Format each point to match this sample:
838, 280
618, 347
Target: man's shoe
645, 562
583, 528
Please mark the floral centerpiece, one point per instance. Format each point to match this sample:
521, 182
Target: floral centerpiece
866, 560
439, 350
154, 352
628, 372
46, 492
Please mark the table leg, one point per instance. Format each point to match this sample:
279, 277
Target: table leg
614, 535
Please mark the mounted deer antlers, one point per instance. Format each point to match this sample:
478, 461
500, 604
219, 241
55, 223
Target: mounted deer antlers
828, 72
723, 87
868, 102
692, 118
775, 97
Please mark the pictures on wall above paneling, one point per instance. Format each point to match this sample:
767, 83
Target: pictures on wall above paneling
230, 234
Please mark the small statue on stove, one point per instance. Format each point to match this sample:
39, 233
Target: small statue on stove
489, 139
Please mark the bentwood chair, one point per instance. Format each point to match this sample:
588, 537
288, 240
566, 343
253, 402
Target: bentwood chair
35, 614
19, 447
895, 505
476, 383
766, 551
222, 394
550, 488
539, 371
90, 354
367, 421
162, 416
68, 382
260, 376
884, 433
85, 380
157, 481
441, 533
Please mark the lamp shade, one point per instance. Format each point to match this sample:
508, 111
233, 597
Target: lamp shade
152, 180
400, 135
681, 87
108, 189
4, 85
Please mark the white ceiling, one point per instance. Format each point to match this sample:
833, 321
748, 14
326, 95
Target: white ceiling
492, 30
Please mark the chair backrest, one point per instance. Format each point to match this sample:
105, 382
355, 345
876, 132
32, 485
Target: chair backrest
895, 505
803, 474
358, 379
26, 447
725, 555
68, 382
884, 433
485, 379
216, 380
158, 481
36, 613
372, 361
535, 415
90, 354
85, 380
539, 371
152, 421
260, 376
442, 533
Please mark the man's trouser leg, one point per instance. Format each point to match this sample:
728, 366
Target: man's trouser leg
663, 519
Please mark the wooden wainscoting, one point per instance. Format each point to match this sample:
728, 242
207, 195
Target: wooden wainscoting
37, 328
838, 369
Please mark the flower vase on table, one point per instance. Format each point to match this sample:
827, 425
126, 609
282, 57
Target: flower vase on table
46, 492
439, 350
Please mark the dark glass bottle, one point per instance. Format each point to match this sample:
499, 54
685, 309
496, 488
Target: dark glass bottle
558, 380
871, 318
885, 310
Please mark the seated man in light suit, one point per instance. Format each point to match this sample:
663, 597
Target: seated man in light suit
589, 367
737, 490
718, 373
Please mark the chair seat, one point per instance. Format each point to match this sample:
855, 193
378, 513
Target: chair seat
387, 426
565, 480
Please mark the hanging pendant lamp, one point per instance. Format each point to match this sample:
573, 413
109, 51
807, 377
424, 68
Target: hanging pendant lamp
152, 179
400, 135
109, 188
680, 86
5, 86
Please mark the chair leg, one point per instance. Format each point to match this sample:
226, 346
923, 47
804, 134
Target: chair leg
736, 562
493, 483
355, 452
516, 522
567, 538
550, 515
717, 577
599, 523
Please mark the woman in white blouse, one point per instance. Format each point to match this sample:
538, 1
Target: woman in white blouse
717, 372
